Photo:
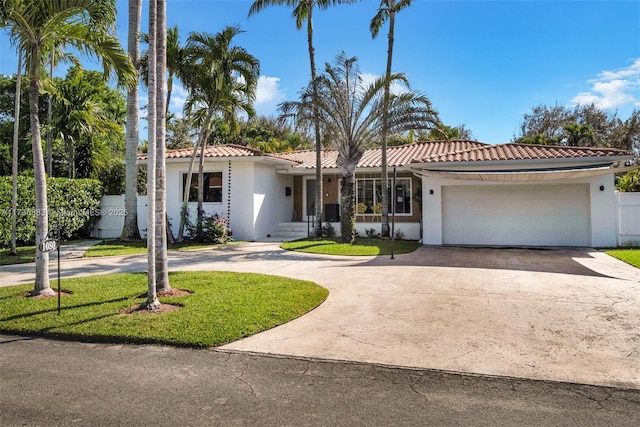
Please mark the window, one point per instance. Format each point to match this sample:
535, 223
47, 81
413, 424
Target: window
369, 196
212, 187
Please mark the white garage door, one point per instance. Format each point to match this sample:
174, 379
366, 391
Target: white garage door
527, 215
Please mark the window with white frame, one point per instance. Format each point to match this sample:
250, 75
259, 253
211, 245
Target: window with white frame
369, 196
212, 187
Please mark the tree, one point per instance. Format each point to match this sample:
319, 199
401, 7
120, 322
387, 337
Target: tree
303, 11
162, 269
351, 118
83, 24
89, 119
222, 79
584, 125
130, 229
386, 11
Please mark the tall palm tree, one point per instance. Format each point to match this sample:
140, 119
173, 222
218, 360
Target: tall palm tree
303, 11
221, 79
83, 24
386, 11
152, 297
162, 269
351, 118
130, 229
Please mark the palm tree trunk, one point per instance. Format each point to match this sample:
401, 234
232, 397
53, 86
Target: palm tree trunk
348, 207
41, 286
385, 120
316, 125
200, 190
152, 298
162, 269
14, 160
49, 164
202, 136
130, 230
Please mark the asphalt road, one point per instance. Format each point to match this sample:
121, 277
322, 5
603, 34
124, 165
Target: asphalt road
52, 383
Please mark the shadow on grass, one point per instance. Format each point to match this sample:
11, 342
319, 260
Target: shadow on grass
63, 308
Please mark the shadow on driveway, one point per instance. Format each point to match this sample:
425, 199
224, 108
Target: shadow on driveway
547, 260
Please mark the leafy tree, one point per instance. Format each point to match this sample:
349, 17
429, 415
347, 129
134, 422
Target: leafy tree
581, 126
303, 11
386, 12
351, 117
628, 182
221, 80
89, 119
83, 24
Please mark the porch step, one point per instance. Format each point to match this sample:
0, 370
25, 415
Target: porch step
288, 231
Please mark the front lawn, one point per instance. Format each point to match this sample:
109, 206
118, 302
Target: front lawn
115, 247
362, 246
23, 254
221, 307
630, 256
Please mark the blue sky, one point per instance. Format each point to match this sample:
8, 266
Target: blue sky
482, 63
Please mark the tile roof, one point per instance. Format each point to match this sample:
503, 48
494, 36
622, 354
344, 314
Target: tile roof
372, 157
519, 152
228, 150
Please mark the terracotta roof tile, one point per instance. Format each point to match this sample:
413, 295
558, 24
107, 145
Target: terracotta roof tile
229, 150
519, 152
372, 158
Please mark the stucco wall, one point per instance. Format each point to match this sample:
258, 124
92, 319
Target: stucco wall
628, 219
271, 205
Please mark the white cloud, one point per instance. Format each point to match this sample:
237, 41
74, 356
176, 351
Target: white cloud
612, 89
268, 95
268, 91
178, 98
368, 78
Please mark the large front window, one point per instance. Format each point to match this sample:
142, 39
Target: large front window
369, 196
212, 187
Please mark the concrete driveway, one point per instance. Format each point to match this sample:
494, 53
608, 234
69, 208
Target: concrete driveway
566, 315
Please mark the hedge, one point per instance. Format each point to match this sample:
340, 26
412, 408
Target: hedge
76, 201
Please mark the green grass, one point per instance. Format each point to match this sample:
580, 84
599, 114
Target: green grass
630, 256
106, 248
362, 246
221, 308
114, 247
23, 254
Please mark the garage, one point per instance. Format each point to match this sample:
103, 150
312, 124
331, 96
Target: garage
516, 215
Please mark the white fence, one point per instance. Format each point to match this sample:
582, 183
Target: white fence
628, 219
112, 213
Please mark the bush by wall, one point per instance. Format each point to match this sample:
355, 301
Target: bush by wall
76, 201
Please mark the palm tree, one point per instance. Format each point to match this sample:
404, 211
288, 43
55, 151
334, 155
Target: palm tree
387, 10
83, 24
130, 229
351, 118
162, 269
303, 11
221, 79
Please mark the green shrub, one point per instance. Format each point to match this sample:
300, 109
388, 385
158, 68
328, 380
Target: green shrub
76, 201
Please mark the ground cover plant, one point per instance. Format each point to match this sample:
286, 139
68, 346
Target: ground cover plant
361, 247
630, 256
218, 308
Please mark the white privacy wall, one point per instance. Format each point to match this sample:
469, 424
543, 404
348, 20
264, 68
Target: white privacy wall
628, 219
600, 206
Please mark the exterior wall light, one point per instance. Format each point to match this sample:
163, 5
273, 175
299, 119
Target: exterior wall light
431, 191
602, 188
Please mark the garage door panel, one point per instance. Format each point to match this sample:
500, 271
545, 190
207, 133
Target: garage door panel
534, 215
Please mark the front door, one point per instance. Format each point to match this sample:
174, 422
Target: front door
309, 198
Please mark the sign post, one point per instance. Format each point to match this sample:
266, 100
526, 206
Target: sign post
50, 243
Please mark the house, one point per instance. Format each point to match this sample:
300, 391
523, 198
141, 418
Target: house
446, 192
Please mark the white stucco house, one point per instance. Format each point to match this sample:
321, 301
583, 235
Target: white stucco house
447, 192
